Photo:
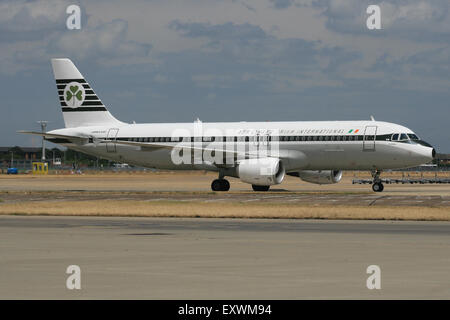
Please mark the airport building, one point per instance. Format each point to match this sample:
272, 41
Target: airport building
18, 156
443, 159
23, 157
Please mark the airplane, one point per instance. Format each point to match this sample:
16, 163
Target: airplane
257, 153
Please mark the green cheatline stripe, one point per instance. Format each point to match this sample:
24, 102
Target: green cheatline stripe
70, 80
62, 86
61, 92
350, 131
61, 98
83, 109
92, 103
85, 103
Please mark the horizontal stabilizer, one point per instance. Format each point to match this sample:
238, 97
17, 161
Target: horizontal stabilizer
50, 136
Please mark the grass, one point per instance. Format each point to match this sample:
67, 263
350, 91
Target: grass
192, 183
223, 210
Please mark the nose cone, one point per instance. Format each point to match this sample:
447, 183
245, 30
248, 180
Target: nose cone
424, 154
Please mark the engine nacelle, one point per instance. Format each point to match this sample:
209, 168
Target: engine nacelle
261, 172
321, 176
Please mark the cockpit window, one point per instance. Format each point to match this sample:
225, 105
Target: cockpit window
403, 136
395, 137
413, 136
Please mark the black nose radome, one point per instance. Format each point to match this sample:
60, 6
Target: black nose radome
433, 153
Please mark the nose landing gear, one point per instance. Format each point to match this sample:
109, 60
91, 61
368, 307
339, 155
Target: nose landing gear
377, 185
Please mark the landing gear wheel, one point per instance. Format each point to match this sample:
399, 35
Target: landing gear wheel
220, 185
225, 185
260, 188
377, 187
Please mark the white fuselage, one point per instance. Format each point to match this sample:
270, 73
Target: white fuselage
302, 145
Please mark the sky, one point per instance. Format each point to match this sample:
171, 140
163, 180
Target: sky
231, 60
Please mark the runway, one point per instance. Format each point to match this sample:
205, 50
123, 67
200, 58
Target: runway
281, 197
313, 199
174, 258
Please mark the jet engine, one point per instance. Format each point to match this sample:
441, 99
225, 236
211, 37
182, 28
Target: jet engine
261, 172
321, 176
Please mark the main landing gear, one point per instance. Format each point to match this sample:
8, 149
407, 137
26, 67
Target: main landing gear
220, 185
260, 188
377, 185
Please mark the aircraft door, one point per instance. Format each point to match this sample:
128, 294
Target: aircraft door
112, 135
370, 134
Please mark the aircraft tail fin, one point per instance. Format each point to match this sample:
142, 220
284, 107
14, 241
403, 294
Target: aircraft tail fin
80, 104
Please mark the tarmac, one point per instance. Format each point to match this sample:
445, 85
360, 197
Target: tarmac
175, 258
281, 197
208, 258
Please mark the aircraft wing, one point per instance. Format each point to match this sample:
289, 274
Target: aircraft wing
240, 154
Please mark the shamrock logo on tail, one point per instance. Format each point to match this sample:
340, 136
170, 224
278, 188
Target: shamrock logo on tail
74, 94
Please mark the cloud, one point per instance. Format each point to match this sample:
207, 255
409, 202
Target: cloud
282, 4
25, 20
219, 32
414, 19
100, 42
246, 53
35, 31
427, 69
